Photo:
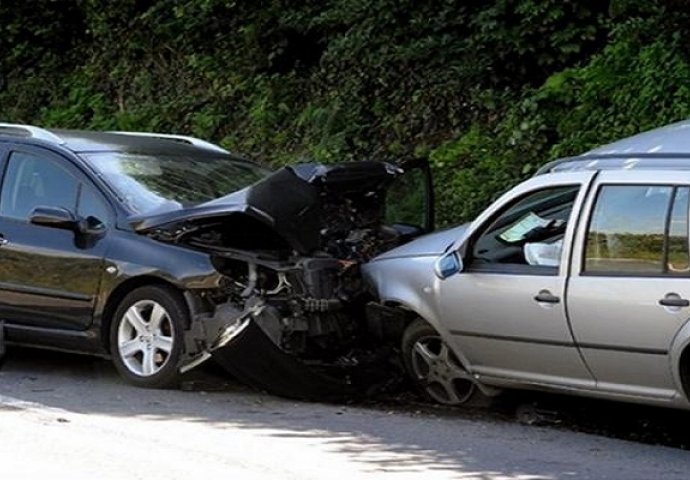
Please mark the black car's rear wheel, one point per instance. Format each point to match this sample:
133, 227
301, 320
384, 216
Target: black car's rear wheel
146, 336
433, 367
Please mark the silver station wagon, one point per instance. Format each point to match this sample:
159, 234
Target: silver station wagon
576, 280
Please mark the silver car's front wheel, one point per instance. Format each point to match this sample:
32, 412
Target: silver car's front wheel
433, 367
146, 336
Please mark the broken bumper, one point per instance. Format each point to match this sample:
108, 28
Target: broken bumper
246, 351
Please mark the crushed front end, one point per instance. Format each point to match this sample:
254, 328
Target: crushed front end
290, 315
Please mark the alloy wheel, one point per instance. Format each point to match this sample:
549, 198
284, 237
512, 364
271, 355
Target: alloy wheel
439, 371
145, 338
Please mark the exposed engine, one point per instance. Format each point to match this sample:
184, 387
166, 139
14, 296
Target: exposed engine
314, 303
354, 228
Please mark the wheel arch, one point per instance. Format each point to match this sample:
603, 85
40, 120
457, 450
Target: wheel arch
684, 371
427, 316
413, 312
395, 283
119, 293
679, 357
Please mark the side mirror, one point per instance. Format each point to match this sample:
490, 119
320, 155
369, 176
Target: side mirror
449, 264
56, 217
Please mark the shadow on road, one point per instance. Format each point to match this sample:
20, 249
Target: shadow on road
388, 433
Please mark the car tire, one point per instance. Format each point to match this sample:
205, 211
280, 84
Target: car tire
146, 336
433, 367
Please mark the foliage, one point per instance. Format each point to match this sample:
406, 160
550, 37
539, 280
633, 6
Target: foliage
487, 90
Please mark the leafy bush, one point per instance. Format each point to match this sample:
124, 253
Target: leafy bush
487, 90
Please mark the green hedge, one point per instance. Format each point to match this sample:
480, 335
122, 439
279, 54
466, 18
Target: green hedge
487, 90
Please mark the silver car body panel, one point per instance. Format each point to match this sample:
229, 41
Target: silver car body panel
410, 281
610, 338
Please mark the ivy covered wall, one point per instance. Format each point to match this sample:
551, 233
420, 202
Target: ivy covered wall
487, 90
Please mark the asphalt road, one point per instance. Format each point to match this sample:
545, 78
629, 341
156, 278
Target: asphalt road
64, 416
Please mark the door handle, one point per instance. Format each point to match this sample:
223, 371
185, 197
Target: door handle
674, 300
544, 296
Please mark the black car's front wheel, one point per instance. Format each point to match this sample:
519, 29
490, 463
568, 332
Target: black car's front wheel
146, 336
433, 367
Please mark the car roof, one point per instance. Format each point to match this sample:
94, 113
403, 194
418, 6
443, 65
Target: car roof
84, 141
673, 139
664, 148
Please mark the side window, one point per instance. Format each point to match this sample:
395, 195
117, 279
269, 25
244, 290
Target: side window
92, 206
628, 231
32, 181
528, 232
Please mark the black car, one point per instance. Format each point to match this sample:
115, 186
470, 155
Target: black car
162, 251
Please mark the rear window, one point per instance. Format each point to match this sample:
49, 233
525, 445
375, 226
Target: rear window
639, 229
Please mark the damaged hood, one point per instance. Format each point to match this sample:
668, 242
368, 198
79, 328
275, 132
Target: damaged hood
289, 201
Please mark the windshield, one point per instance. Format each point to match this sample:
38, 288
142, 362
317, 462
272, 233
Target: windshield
149, 183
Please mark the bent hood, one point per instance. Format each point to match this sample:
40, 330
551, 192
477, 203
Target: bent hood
289, 201
431, 245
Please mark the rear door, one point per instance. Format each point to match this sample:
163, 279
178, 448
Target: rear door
629, 293
49, 277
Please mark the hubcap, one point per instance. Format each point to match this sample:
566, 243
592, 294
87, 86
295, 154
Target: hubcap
442, 375
145, 338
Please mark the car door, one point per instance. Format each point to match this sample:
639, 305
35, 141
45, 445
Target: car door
505, 310
630, 286
409, 206
49, 277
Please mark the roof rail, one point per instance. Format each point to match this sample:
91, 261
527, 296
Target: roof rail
179, 138
29, 131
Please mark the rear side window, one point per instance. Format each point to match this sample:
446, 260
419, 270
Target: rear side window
31, 181
640, 229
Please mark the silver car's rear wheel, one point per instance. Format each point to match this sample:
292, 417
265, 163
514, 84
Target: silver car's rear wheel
433, 366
